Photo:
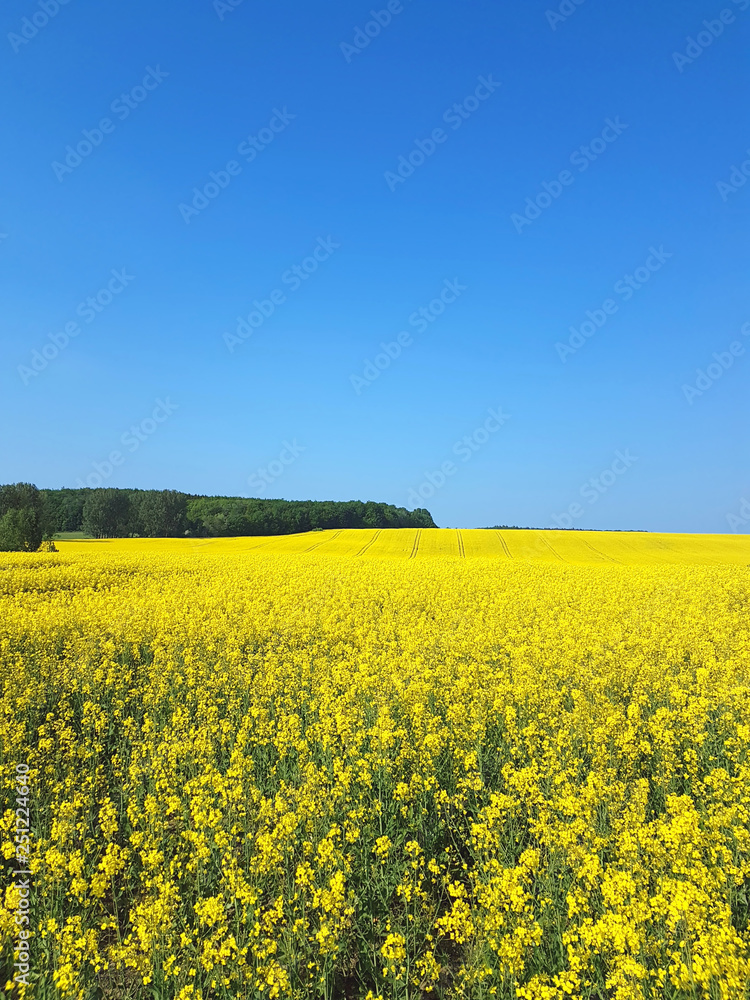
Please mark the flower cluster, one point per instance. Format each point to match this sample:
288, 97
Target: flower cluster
256, 771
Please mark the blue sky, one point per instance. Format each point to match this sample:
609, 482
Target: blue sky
549, 155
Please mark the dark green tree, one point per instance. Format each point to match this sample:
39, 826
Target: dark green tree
106, 513
162, 513
21, 526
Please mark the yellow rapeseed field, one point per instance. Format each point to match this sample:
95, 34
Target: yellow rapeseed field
379, 764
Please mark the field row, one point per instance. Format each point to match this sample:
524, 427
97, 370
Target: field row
575, 547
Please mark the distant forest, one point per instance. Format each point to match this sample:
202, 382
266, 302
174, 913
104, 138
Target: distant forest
118, 513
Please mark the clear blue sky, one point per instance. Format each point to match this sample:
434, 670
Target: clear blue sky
317, 125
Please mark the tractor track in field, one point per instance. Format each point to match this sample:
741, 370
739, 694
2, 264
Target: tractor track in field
367, 546
602, 554
268, 541
323, 542
554, 552
199, 543
415, 546
461, 549
504, 544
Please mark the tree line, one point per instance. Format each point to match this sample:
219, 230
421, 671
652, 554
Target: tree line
27, 515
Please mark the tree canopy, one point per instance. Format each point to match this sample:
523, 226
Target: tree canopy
20, 518
113, 513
